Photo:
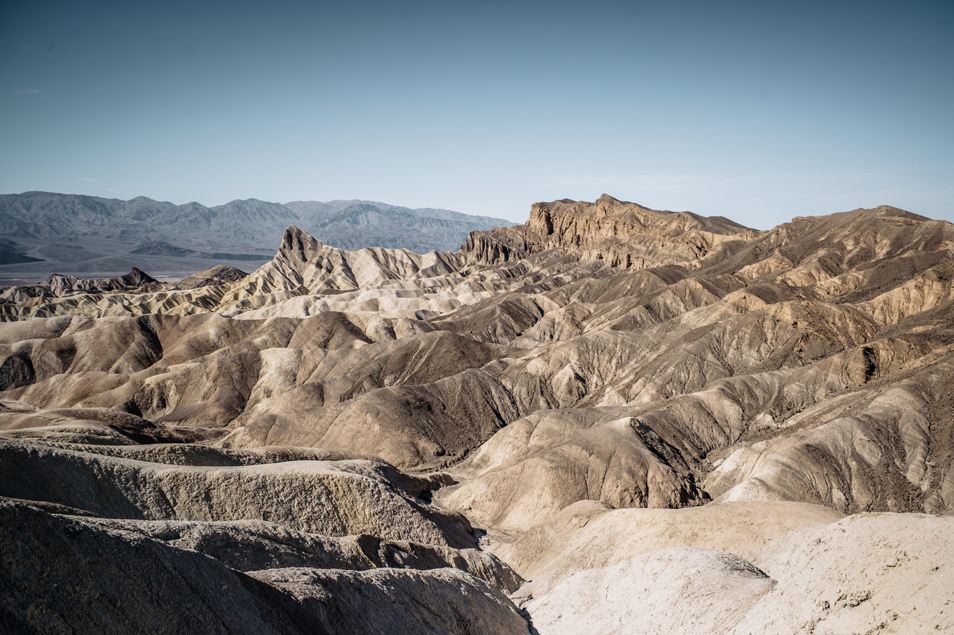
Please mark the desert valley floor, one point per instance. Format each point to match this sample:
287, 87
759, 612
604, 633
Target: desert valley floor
609, 419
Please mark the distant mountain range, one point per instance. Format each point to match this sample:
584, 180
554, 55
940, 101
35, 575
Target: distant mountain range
69, 233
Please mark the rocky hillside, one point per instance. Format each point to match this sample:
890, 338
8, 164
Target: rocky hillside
578, 415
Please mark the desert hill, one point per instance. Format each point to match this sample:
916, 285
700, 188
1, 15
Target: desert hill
577, 415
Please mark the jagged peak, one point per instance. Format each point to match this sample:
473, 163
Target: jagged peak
297, 245
138, 275
294, 234
606, 199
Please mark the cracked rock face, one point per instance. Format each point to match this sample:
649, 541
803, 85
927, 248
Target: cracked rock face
610, 419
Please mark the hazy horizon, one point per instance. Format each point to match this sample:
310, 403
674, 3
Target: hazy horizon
757, 113
159, 199
438, 207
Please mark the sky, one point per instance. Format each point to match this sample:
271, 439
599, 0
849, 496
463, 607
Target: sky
758, 111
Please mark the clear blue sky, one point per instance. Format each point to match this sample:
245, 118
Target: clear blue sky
755, 110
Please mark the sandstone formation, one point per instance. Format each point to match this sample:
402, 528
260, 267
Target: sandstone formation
627, 420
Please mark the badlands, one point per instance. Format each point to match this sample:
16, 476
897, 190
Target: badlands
609, 419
